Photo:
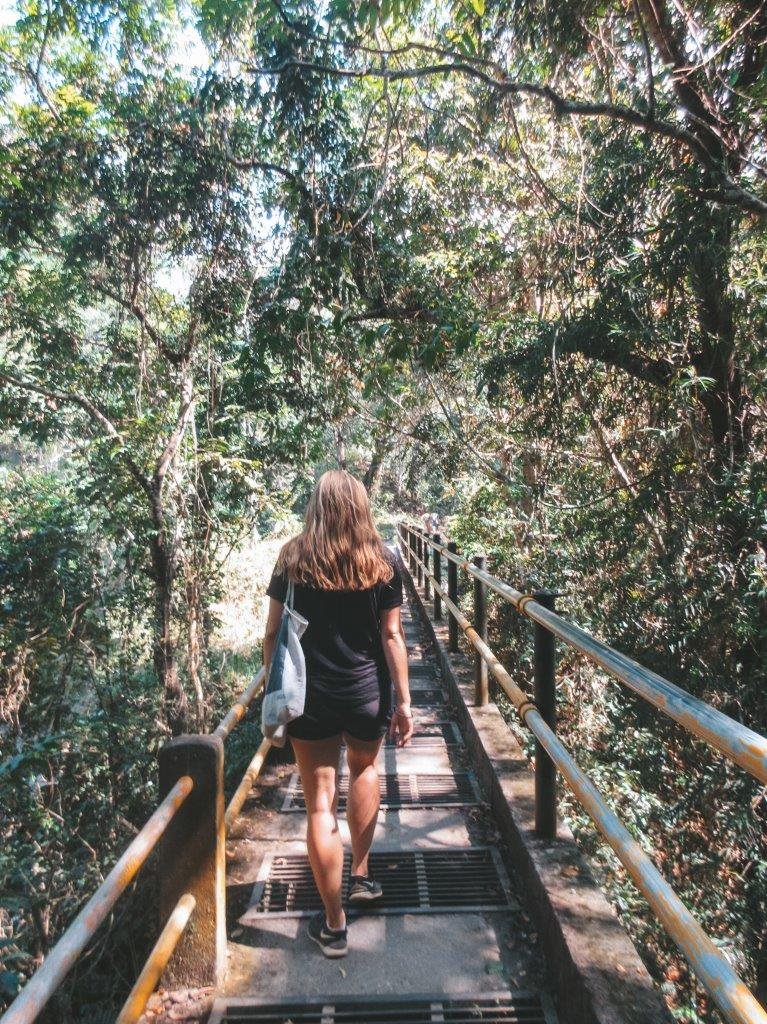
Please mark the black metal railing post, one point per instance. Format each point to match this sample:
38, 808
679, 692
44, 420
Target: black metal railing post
426, 577
481, 688
437, 570
544, 663
452, 593
410, 552
419, 558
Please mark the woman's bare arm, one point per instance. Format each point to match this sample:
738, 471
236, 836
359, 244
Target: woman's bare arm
272, 629
395, 652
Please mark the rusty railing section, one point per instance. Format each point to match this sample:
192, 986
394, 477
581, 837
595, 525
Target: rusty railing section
192, 766
743, 746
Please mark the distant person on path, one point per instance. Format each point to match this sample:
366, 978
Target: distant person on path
348, 585
431, 522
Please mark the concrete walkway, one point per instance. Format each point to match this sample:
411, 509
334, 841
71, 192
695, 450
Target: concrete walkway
451, 942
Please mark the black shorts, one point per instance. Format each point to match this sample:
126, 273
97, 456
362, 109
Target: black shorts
364, 716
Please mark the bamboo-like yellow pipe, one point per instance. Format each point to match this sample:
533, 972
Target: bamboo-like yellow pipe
157, 961
246, 784
67, 950
742, 745
732, 996
237, 711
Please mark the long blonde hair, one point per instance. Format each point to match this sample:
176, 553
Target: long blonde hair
339, 547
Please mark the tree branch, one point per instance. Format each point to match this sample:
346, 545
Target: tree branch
381, 311
585, 338
614, 464
89, 407
735, 193
270, 168
176, 358
491, 470
133, 307
185, 410
648, 58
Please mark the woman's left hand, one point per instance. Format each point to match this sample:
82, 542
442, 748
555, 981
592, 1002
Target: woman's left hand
401, 728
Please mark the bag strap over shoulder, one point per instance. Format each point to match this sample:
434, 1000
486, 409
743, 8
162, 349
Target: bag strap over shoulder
289, 595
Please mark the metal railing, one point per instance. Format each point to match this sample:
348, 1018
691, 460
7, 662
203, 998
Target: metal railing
743, 746
191, 779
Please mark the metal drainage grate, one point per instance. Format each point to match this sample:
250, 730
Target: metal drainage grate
440, 733
418, 685
414, 881
493, 1008
454, 789
431, 733
423, 683
423, 698
421, 670
421, 742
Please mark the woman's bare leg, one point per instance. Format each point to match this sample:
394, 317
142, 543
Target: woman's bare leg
364, 799
318, 764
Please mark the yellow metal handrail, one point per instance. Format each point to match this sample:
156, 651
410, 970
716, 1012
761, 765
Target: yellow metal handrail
729, 992
742, 745
237, 711
62, 958
246, 783
41, 986
157, 961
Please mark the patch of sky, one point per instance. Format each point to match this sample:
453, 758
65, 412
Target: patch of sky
9, 13
189, 50
190, 55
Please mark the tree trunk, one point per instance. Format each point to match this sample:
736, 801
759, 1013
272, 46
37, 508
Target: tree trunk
340, 447
724, 399
722, 395
399, 478
199, 572
615, 466
372, 478
196, 646
413, 475
530, 465
164, 651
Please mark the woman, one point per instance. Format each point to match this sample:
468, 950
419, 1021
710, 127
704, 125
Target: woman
348, 586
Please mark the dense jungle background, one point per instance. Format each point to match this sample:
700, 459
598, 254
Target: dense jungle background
503, 260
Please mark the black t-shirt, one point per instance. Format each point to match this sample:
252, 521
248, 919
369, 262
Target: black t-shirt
342, 643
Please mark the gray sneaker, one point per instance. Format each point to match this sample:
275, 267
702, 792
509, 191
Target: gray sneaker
331, 941
363, 889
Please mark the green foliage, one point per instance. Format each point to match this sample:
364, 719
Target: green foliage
77, 720
379, 234
48, 578
700, 818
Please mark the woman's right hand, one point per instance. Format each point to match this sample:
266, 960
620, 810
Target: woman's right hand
401, 728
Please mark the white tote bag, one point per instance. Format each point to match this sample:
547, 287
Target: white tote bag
285, 692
